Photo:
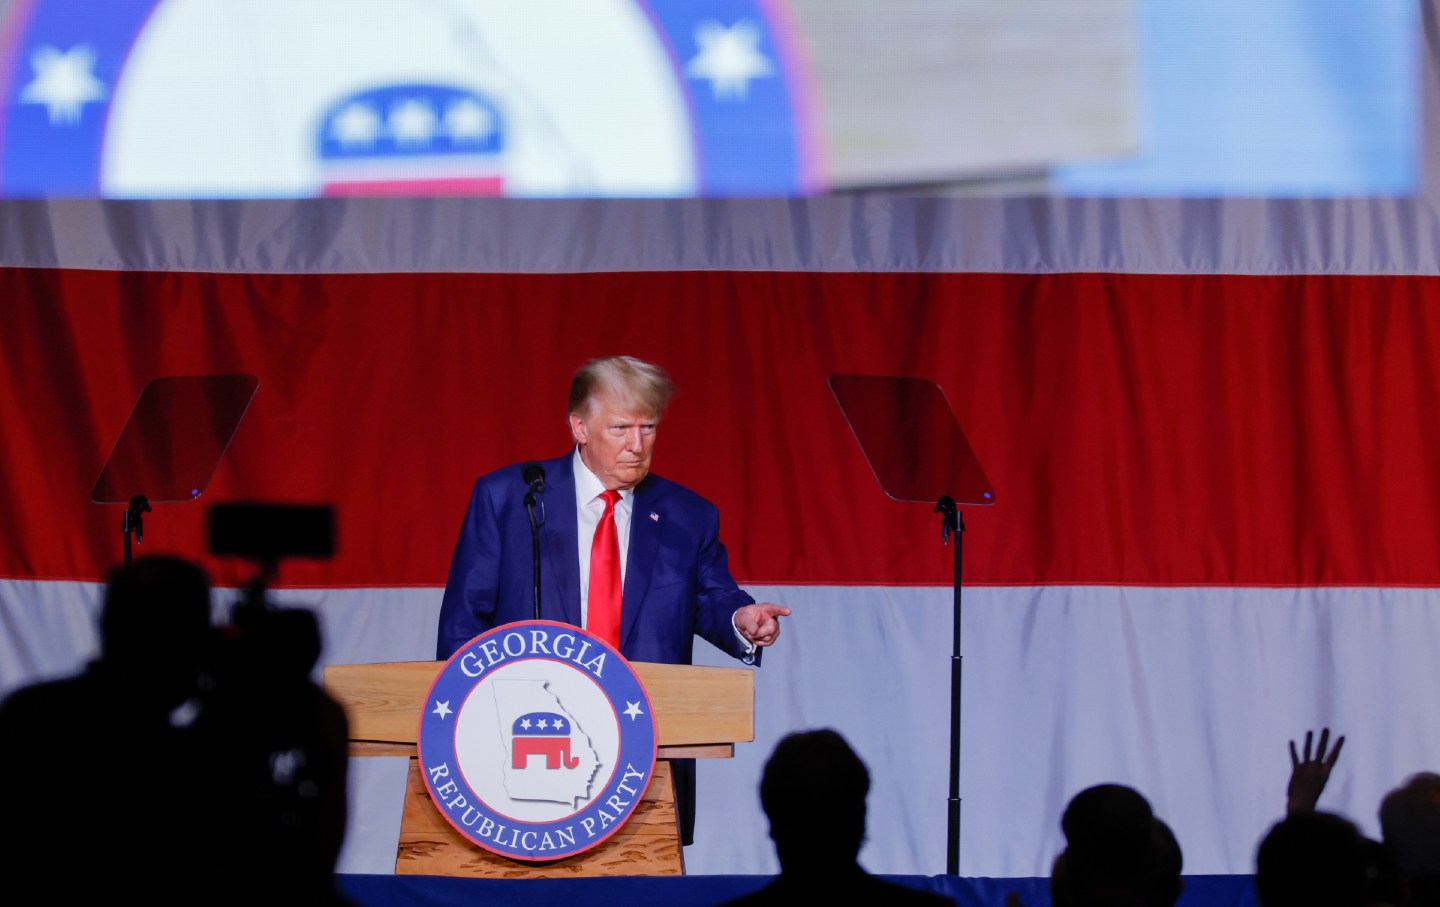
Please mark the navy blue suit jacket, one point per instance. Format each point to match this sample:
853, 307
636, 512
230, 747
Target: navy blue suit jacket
677, 578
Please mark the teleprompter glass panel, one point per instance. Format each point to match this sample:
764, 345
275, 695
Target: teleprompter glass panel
174, 438
911, 438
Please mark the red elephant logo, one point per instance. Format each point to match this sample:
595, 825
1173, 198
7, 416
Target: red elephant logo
542, 733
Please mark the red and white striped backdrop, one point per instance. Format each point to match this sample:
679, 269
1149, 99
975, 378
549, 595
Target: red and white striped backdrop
1212, 429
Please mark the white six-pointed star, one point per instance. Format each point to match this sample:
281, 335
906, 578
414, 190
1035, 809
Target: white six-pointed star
63, 82
357, 124
441, 708
729, 58
632, 709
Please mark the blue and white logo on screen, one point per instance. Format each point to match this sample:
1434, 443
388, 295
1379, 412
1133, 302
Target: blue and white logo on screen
537, 740
273, 98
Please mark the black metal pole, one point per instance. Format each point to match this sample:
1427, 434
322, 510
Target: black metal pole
955, 674
953, 524
133, 522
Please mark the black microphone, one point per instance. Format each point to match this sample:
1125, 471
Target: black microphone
534, 476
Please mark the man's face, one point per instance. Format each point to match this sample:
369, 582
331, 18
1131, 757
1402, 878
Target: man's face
615, 442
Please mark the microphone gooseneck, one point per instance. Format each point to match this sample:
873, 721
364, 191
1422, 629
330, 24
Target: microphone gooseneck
534, 476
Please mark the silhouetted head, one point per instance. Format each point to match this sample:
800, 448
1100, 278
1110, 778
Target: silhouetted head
1166, 878
1117, 854
1108, 829
155, 625
1410, 825
813, 791
1312, 859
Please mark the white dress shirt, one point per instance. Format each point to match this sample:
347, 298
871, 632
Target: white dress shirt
589, 507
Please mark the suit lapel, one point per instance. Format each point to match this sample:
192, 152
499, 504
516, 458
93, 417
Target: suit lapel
640, 559
561, 544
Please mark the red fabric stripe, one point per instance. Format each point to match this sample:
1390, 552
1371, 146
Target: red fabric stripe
1137, 429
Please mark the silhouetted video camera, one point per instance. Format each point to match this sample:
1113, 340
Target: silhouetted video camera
277, 738
268, 532
284, 638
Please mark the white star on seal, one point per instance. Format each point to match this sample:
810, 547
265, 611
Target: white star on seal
729, 58
467, 121
357, 124
633, 710
412, 122
441, 708
63, 82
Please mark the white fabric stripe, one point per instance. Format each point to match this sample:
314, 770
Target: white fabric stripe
47, 629
50, 628
1188, 694
871, 232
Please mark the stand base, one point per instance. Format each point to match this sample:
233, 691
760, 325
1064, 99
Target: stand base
647, 844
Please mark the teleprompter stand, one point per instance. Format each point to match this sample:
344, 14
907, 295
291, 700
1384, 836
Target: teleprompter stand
171, 444
919, 454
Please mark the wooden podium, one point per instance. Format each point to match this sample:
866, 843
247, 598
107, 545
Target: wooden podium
700, 712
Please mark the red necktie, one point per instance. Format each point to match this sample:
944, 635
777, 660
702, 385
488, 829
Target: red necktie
603, 607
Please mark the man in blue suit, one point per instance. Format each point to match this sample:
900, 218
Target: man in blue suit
673, 568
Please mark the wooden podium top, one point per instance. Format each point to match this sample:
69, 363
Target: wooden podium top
699, 711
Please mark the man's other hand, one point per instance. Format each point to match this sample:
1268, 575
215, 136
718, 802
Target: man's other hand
760, 623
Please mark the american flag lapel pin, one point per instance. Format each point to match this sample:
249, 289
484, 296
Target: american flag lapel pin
655, 517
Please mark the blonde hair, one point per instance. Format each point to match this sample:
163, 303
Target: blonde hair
641, 386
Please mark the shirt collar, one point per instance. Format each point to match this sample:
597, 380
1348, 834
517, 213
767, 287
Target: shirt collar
588, 486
